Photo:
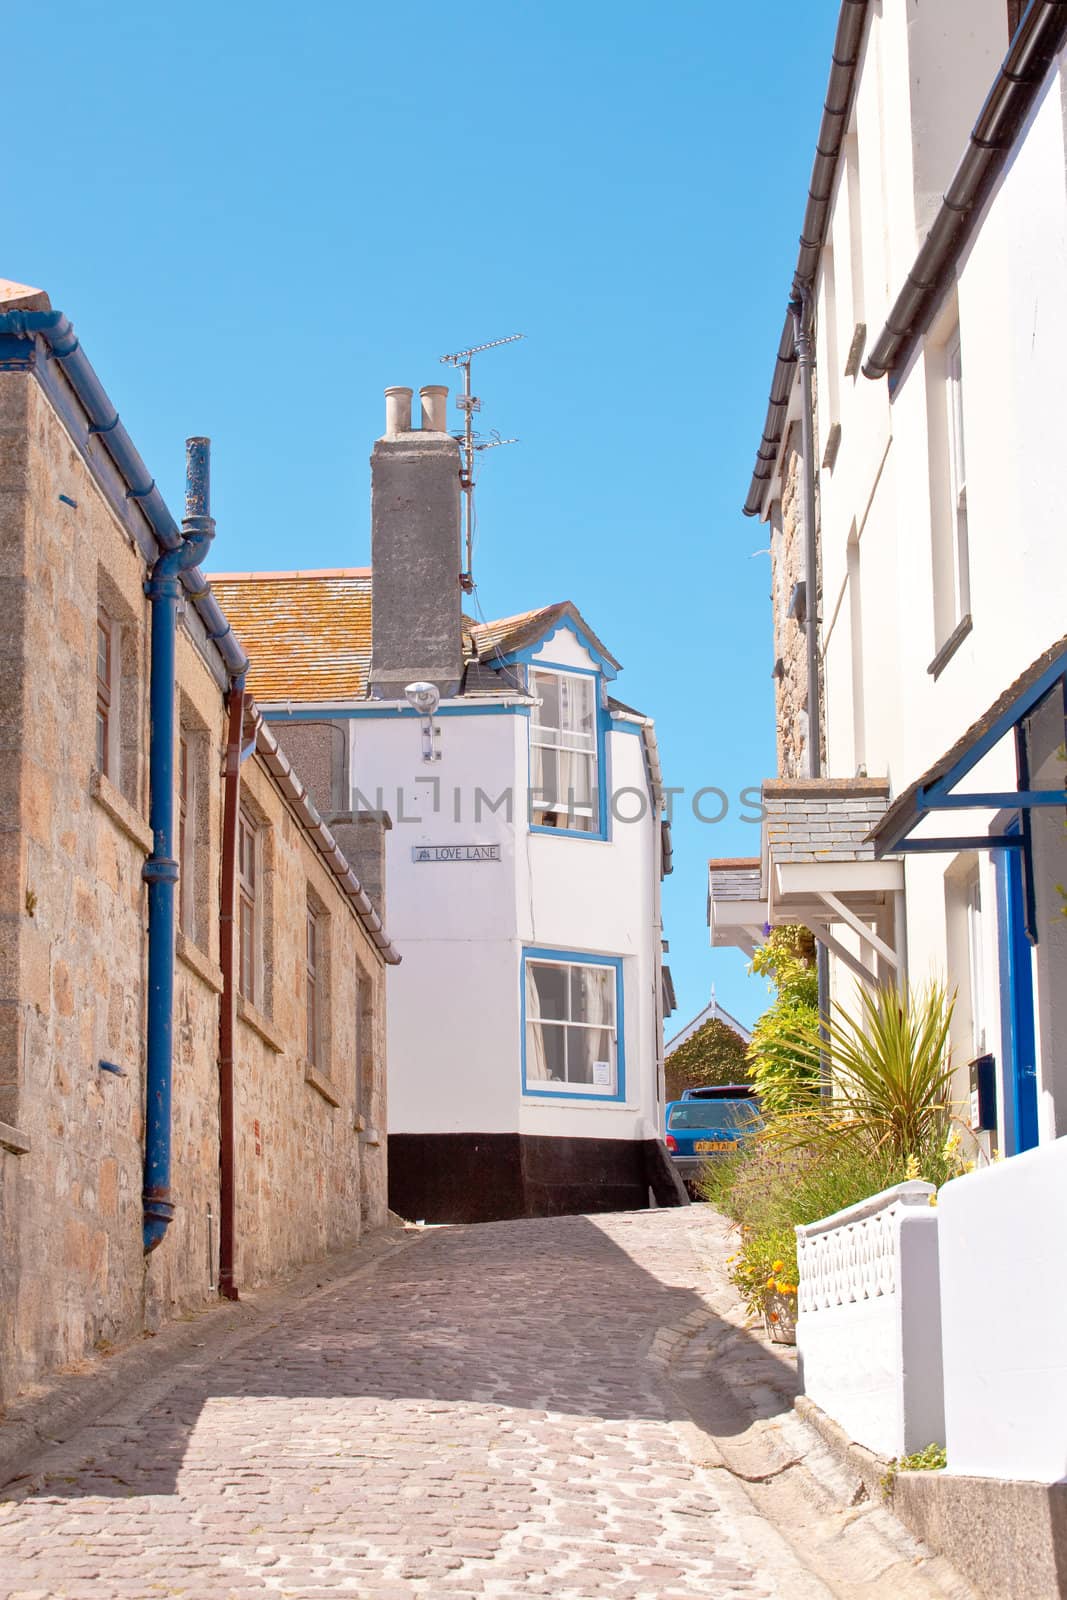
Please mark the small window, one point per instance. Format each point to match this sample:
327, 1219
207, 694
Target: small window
103, 693
563, 752
314, 991
976, 963
571, 1037
185, 831
247, 877
957, 475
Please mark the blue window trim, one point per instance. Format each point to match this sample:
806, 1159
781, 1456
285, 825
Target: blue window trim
566, 625
600, 834
583, 958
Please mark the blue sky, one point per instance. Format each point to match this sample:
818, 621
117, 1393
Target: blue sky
257, 216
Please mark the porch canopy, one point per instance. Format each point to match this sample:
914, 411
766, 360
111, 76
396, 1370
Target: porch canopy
816, 867
936, 790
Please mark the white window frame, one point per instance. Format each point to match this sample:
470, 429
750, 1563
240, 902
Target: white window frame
957, 476
572, 1087
972, 900
570, 815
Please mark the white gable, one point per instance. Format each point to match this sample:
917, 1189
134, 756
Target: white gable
563, 649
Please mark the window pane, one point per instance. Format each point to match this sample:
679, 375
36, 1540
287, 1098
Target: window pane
546, 687
577, 708
593, 994
545, 1053
590, 1057
101, 741
546, 990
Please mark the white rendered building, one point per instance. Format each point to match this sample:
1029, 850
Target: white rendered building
523, 863
919, 830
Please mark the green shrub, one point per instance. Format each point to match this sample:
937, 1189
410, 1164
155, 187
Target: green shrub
891, 1068
714, 1054
784, 1076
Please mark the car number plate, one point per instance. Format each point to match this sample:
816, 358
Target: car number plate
703, 1145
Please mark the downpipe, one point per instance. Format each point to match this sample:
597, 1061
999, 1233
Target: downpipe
228, 1004
160, 871
804, 347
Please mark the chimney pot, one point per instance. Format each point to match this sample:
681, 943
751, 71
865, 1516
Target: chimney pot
398, 409
434, 397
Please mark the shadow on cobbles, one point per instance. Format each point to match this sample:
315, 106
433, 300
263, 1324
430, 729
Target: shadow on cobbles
550, 1321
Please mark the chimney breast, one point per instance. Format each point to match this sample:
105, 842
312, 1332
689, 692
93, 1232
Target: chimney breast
398, 410
416, 600
434, 397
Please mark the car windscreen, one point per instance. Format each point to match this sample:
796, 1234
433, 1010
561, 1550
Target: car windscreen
713, 1114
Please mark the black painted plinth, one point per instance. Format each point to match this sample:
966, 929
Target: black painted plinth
488, 1177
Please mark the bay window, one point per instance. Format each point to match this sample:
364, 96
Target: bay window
572, 1042
564, 781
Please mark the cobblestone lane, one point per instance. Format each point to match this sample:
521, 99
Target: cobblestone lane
477, 1415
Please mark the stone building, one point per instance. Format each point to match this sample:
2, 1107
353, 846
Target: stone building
295, 982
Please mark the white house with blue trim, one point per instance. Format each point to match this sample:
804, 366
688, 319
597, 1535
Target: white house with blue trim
523, 862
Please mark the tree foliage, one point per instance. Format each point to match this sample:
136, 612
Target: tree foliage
780, 1067
714, 1054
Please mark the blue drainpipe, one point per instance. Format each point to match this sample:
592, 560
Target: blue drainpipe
160, 872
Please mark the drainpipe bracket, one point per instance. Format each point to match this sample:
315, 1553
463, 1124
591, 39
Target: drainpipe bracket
160, 869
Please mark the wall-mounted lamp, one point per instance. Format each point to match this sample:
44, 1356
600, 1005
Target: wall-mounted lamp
426, 697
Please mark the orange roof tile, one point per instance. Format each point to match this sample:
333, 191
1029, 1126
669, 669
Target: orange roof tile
307, 634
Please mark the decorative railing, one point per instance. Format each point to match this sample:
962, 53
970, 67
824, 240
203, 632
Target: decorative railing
853, 1254
869, 1319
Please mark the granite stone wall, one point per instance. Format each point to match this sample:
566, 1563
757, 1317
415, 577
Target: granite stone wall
73, 954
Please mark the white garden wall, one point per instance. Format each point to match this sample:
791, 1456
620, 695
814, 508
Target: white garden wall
868, 1324
1004, 1317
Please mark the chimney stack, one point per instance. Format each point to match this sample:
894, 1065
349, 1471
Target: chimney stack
416, 601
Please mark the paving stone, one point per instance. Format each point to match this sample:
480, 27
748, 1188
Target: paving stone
478, 1417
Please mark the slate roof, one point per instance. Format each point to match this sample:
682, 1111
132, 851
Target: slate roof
308, 634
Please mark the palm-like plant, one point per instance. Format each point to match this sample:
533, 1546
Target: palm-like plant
891, 1069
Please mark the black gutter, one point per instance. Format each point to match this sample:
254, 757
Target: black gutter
837, 105
1040, 36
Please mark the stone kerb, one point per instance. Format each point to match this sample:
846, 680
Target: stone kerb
869, 1319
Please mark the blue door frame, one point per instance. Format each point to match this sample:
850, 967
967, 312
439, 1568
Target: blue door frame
1018, 1034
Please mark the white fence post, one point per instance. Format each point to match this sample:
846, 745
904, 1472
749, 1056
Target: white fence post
869, 1320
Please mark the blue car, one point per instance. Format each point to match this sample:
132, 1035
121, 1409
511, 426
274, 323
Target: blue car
698, 1131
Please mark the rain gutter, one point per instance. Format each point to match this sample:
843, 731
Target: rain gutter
837, 106
63, 348
1039, 38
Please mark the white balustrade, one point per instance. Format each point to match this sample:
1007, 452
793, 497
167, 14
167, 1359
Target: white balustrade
869, 1319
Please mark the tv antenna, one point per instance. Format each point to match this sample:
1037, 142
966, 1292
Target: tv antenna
471, 442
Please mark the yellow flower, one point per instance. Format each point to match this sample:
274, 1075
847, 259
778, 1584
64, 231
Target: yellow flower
776, 1266
770, 1284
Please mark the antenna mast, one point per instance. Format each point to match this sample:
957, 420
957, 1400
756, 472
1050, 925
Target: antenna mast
469, 403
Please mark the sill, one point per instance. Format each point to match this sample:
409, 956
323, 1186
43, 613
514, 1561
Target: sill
570, 833
540, 1096
13, 1140
120, 811
259, 1024
833, 445
319, 1081
197, 961
950, 646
